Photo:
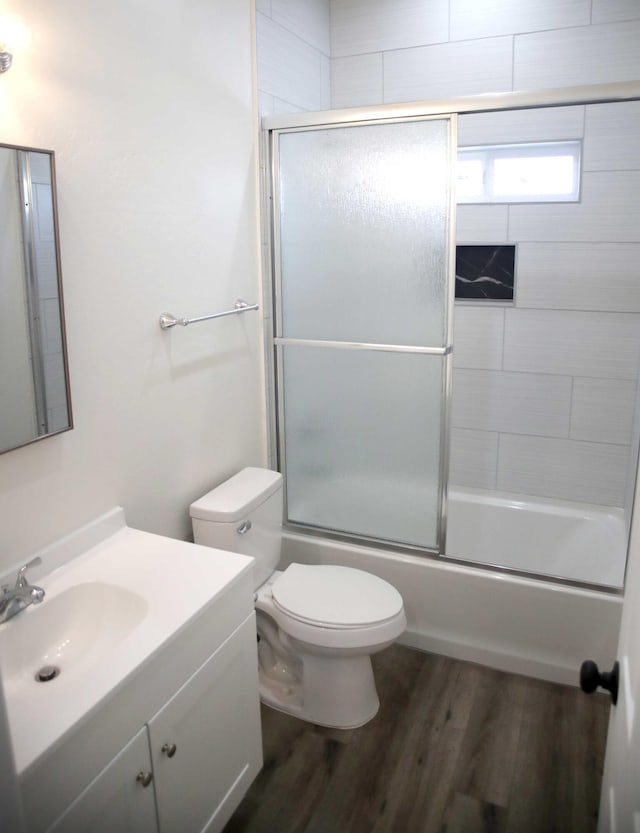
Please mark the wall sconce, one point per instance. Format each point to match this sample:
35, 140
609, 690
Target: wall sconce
13, 34
5, 59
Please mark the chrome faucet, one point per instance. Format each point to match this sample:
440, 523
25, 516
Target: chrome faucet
21, 595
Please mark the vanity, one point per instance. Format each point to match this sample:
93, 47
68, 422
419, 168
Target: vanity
152, 722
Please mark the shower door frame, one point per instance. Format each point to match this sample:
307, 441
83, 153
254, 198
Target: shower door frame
272, 127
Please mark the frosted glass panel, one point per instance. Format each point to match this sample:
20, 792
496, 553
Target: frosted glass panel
362, 441
363, 231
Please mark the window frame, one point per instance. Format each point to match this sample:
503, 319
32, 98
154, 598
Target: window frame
487, 155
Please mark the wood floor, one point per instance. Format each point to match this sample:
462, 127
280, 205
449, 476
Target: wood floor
455, 748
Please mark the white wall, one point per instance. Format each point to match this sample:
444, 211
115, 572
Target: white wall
150, 110
544, 392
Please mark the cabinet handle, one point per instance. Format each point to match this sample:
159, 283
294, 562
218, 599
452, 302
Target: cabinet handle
144, 778
169, 749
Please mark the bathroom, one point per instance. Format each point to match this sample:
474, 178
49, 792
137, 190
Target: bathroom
151, 112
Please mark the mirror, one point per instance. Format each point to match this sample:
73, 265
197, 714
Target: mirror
34, 381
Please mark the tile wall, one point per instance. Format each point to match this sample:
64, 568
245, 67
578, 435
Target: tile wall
544, 390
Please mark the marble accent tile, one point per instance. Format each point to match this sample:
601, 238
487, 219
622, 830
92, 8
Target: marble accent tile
593, 344
522, 403
565, 469
606, 11
310, 21
611, 136
449, 69
360, 26
579, 276
288, 68
471, 19
609, 211
473, 458
482, 223
356, 80
485, 273
586, 55
602, 410
478, 337
264, 7
510, 126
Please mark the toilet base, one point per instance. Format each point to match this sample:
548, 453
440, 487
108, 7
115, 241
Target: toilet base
338, 692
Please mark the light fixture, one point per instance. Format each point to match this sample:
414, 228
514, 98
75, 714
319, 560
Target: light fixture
5, 60
12, 36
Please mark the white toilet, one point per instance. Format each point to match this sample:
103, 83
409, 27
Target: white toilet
317, 624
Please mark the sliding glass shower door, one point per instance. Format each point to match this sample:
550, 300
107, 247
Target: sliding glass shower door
363, 290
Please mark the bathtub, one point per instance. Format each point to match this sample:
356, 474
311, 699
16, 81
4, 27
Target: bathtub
559, 539
516, 623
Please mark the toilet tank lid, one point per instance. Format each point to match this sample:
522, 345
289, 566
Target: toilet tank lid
238, 496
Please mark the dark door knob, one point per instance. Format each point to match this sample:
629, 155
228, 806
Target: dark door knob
591, 678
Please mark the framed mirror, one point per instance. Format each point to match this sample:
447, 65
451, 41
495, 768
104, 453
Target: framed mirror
35, 398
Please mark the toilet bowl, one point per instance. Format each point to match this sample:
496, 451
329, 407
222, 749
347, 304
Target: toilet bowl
317, 624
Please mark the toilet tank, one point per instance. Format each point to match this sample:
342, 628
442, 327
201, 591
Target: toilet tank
243, 514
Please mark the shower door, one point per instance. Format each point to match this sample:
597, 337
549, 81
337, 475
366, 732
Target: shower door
363, 289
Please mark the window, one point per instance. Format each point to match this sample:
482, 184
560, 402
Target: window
535, 172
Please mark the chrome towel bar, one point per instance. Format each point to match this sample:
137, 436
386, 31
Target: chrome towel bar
167, 320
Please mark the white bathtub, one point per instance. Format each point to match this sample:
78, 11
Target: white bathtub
553, 538
524, 625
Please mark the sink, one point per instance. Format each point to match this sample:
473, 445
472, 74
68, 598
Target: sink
116, 599
74, 630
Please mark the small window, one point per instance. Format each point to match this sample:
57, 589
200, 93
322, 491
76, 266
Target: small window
538, 172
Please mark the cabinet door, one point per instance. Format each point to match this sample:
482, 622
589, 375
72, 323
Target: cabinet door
115, 800
214, 723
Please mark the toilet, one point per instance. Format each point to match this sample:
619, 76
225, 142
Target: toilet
317, 624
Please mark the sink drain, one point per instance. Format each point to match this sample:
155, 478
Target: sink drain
46, 673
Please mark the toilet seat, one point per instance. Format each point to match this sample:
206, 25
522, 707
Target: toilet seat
332, 632
330, 596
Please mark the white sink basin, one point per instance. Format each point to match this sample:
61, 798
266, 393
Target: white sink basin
73, 631
114, 597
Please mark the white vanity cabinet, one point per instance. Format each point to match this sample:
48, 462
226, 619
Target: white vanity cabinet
205, 743
197, 755
116, 799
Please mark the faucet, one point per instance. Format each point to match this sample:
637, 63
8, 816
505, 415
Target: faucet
21, 595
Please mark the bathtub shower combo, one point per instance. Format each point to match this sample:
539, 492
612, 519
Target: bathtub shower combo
479, 455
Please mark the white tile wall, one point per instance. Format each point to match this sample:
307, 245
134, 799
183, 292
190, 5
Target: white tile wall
289, 68
579, 276
522, 403
520, 126
357, 80
605, 11
602, 410
473, 458
475, 19
571, 359
482, 224
585, 55
358, 27
311, 21
478, 337
611, 138
595, 344
449, 69
608, 211
565, 469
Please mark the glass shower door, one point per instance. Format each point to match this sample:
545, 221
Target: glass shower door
362, 229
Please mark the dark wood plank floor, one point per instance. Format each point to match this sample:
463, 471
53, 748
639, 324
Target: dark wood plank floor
455, 748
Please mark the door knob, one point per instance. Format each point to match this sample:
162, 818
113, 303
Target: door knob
591, 678
169, 749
